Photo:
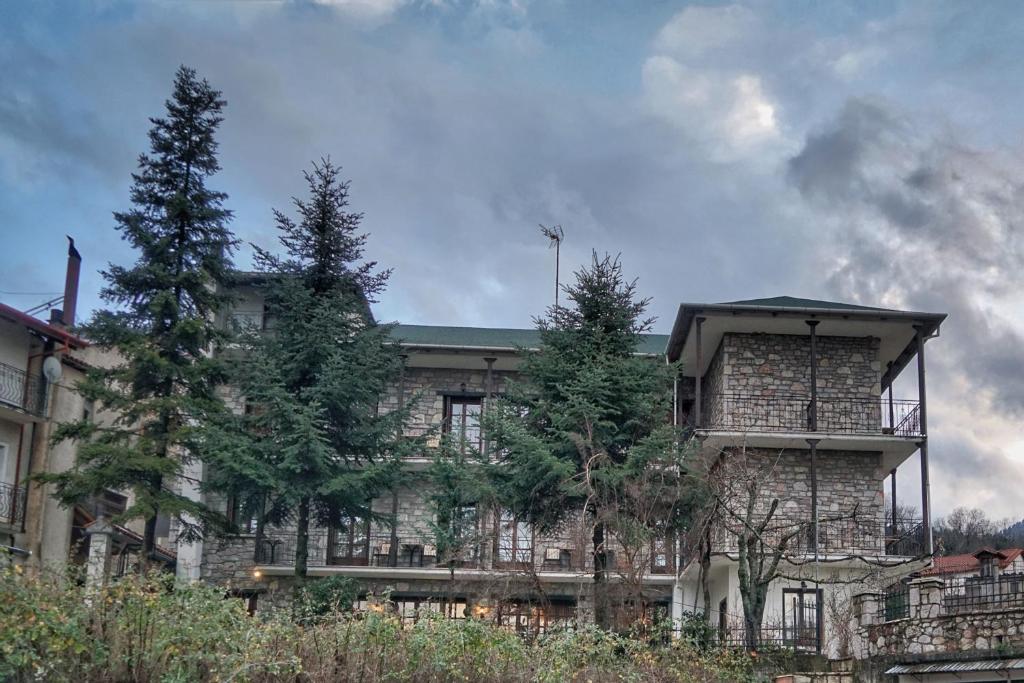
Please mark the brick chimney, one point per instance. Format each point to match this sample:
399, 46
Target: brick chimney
71, 284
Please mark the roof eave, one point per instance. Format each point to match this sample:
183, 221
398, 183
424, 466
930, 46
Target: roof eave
687, 311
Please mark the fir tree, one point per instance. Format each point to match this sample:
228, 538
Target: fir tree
161, 327
588, 426
314, 447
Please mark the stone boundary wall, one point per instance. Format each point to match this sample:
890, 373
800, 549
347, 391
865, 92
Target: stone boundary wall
927, 630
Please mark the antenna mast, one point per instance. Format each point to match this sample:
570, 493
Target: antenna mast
555, 236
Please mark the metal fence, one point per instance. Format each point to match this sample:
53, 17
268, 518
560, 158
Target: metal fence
982, 594
21, 390
793, 413
565, 552
895, 602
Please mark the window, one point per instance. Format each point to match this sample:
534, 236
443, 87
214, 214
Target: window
348, 543
465, 534
801, 617
242, 514
462, 421
247, 321
515, 541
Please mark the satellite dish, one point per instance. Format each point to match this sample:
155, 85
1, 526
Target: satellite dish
52, 369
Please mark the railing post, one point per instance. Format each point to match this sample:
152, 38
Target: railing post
813, 416
699, 380
926, 502
892, 413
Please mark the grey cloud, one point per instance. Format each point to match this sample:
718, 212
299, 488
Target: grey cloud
922, 221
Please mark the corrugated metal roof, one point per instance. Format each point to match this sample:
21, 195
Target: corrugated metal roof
957, 667
495, 337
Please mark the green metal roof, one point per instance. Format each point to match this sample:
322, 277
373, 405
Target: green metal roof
795, 302
494, 338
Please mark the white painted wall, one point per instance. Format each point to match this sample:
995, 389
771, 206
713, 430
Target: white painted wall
14, 344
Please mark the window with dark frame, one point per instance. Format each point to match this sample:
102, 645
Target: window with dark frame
348, 542
241, 515
462, 421
515, 541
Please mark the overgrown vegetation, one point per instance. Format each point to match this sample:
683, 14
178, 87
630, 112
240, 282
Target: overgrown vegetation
147, 630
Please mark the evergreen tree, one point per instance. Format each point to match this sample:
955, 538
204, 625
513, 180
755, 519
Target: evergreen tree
588, 426
313, 447
161, 327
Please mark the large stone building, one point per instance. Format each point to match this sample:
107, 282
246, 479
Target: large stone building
795, 394
526, 579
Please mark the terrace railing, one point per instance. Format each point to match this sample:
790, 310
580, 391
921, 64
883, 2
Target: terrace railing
547, 553
852, 536
20, 390
983, 594
792, 413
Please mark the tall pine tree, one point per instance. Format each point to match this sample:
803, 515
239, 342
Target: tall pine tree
588, 426
161, 325
314, 448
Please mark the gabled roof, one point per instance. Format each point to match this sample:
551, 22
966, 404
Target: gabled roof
787, 315
796, 302
969, 562
494, 338
46, 329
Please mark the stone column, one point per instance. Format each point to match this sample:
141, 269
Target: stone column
926, 598
101, 542
865, 615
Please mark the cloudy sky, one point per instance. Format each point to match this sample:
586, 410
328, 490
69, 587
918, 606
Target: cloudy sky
867, 153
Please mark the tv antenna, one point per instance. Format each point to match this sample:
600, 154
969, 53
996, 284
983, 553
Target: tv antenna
555, 236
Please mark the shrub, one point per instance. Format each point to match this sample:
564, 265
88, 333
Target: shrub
149, 630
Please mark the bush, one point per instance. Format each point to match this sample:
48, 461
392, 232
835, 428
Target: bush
149, 630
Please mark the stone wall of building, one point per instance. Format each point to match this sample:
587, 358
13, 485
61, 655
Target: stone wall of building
851, 505
762, 381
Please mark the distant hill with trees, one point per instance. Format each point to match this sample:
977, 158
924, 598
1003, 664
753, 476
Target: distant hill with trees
967, 530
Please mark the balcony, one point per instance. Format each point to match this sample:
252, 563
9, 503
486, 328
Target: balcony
21, 391
12, 504
543, 555
843, 537
792, 413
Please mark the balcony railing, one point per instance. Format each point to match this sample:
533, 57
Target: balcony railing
12, 504
20, 390
841, 537
792, 413
545, 554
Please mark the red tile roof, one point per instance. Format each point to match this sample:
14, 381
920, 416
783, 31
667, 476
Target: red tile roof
962, 564
33, 323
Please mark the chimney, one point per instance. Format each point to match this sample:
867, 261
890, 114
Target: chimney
71, 283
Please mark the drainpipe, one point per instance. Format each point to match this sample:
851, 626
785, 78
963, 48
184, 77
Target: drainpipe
926, 496
697, 421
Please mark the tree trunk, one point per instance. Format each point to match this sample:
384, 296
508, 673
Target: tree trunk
601, 607
302, 540
148, 543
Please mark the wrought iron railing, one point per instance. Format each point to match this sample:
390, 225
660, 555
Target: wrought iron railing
802, 633
894, 602
547, 553
983, 594
12, 504
848, 536
793, 413
21, 390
